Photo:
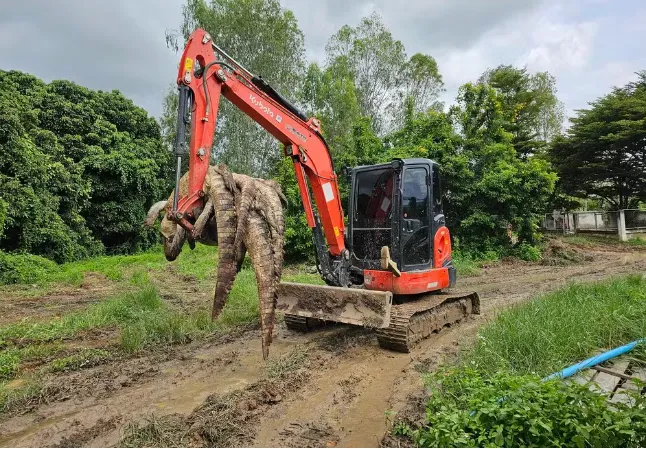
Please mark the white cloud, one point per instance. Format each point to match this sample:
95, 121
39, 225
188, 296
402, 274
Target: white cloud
589, 45
561, 45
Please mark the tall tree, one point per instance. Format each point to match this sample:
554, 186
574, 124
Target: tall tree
531, 110
78, 169
603, 154
486, 186
384, 75
265, 39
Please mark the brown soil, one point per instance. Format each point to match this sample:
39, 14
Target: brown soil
342, 392
28, 301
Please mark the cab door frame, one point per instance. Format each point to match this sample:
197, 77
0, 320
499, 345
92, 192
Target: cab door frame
427, 220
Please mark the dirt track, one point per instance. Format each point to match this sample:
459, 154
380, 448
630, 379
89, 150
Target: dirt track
345, 385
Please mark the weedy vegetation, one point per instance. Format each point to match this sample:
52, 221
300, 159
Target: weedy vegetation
494, 397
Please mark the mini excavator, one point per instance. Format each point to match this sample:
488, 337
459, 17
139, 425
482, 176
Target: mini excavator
388, 267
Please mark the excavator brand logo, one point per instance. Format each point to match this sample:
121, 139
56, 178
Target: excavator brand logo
258, 103
297, 133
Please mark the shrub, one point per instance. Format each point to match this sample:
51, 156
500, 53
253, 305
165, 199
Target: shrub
528, 252
24, 268
468, 410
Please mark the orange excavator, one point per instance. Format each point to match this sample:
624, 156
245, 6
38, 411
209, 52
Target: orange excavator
386, 270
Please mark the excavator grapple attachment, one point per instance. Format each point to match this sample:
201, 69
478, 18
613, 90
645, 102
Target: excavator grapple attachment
300, 302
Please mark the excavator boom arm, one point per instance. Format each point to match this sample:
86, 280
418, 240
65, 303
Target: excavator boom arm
301, 138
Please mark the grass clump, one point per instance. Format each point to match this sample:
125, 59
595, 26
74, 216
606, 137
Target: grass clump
84, 359
465, 265
278, 367
23, 268
12, 357
141, 316
19, 395
563, 327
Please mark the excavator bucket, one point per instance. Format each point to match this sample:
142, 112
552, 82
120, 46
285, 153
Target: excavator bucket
360, 307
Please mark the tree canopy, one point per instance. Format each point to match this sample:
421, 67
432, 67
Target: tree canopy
486, 186
603, 154
78, 169
533, 115
384, 77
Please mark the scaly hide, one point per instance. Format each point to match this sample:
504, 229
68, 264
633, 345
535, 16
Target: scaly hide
243, 214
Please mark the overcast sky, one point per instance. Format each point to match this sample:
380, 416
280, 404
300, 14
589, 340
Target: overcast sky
589, 45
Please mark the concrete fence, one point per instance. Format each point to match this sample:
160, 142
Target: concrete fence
625, 223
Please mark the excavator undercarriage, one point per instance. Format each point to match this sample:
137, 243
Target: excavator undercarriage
400, 321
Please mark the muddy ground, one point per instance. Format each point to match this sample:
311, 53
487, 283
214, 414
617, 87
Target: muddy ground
331, 387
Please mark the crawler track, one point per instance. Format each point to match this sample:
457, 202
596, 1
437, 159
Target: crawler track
413, 321
302, 324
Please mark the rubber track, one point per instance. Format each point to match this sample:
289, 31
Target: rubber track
413, 321
301, 324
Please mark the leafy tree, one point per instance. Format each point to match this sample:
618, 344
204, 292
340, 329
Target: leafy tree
3, 215
265, 39
531, 111
486, 186
603, 154
382, 72
78, 169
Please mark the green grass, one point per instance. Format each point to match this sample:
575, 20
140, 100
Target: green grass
12, 357
199, 263
494, 397
563, 327
85, 358
17, 396
141, 317
303, 278
465, 265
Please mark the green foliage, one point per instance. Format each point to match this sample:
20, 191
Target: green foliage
385, 78
563, 327
531, 110
299, 243
3, 215
15, 397
468, 410
78, 169
603, 153
9, 362
494, 396
486, 186
12, 357
465, 265
528, 252
24, 268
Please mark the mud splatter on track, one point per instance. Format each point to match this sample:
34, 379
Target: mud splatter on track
350, 385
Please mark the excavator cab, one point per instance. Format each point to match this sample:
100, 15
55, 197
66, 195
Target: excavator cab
397, 205
399, 256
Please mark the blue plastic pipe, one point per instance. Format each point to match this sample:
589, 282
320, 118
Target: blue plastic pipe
588, 363
597, 359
